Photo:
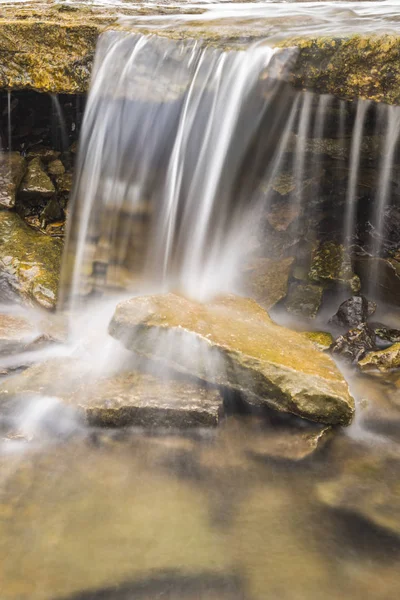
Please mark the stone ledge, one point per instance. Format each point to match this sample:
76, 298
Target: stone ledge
51, 49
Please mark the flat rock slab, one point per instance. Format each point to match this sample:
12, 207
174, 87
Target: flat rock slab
144, 401
15, 333
233, 342
127, 399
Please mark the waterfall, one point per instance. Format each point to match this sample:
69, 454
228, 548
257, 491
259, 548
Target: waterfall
179, 150
161, 187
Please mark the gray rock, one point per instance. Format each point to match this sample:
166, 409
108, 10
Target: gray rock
304, 300
353, 312
353, 345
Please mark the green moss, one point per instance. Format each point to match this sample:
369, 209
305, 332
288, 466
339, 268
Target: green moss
321, 339
29, 262
354, 67
331, 264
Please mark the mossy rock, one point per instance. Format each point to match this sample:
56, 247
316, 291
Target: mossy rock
322, 339
358, 66
29, 263
331, 264
36, 184
384, 360
12, 169
51, 48
304, 300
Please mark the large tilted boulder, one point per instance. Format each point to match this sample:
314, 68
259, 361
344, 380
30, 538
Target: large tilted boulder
233, 342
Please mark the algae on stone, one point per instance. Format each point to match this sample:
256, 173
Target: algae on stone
29, 262
12, 169
322, 339
384, 360
233, 342
358, 66
331, 264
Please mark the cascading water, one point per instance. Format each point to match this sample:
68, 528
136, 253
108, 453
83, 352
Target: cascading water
162, 149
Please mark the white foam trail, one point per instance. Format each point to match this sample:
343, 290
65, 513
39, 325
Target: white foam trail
391, 114
355, 154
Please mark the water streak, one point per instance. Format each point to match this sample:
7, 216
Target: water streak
167, 131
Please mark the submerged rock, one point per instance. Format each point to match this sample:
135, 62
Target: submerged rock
353, 312
384, 360
290, 443
266, 280
233, 342
331, 264
354, 344
304, 300
29, 263
12, 169
36, 183
125, 399
369, 489
241, 438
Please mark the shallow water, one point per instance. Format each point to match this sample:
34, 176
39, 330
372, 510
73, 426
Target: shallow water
201, 516
239, 512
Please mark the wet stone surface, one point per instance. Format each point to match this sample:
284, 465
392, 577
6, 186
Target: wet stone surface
12, 169
233, 342
121, 400
29, 263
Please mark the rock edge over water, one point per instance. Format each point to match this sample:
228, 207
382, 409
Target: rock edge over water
233, 342
50, 48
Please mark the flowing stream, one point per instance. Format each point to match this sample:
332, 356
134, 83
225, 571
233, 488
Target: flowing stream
197, 164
